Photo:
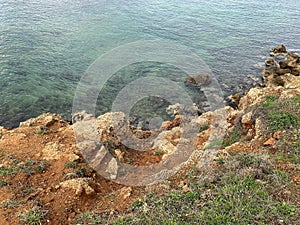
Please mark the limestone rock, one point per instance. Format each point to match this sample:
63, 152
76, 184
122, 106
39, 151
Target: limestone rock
113, 127
270, 142
79, 185
53, 151
278, 49
247, 120
120, 155
112, 169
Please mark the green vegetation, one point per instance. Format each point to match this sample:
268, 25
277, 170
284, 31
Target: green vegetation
214, 144
280, 114
71, 165
289, 146
34, 216
3, 183
31, 167
41, 132
233, 137
281, 120
10, 204
243, 189
82, 172
159, 152
7, 171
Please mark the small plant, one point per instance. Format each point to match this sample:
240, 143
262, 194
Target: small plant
27, 191
34, 216
271, 98
10, 204
159, 152
137, 204
3, 183
42, 166
214, 144
88, 218
220, 161
81, 172
41, 132
31, 167
6, 171
71, 165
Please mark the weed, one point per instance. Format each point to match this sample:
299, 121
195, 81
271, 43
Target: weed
220, 161
214, 144
88, 218
34, 216
7, 171
42, 166
159, 152
281, 120
271, 98
10, 204
41, 132
3, 183
233, 137
81, 172
270, 101
71, 165
28, 191
289, 146
31, 167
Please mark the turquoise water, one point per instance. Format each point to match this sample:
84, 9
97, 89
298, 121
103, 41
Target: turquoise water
45, 46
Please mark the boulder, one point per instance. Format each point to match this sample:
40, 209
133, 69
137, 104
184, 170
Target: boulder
277, 50
270, 62
280, 71
283, 64
79, 185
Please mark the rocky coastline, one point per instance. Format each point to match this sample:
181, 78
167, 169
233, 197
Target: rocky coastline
65, 181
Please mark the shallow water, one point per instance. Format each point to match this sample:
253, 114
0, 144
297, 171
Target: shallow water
46, 46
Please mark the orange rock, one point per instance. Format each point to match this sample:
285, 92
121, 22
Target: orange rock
276, 135
270, 142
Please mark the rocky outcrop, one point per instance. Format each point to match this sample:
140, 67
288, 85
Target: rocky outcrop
276, 66
278, 50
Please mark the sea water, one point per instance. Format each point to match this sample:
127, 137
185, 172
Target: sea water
47, 45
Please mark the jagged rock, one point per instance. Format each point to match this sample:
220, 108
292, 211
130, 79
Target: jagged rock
296, 70
292, 57
258, 128
280, 71
112, 169
79, 185
124, 193
110, 127
166, 141
54, 151
46, 120
270, 62
270, 142
120, 155
247, 120
2, 131
278, 49
80, 116
180, 109
235, 100
283, 65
